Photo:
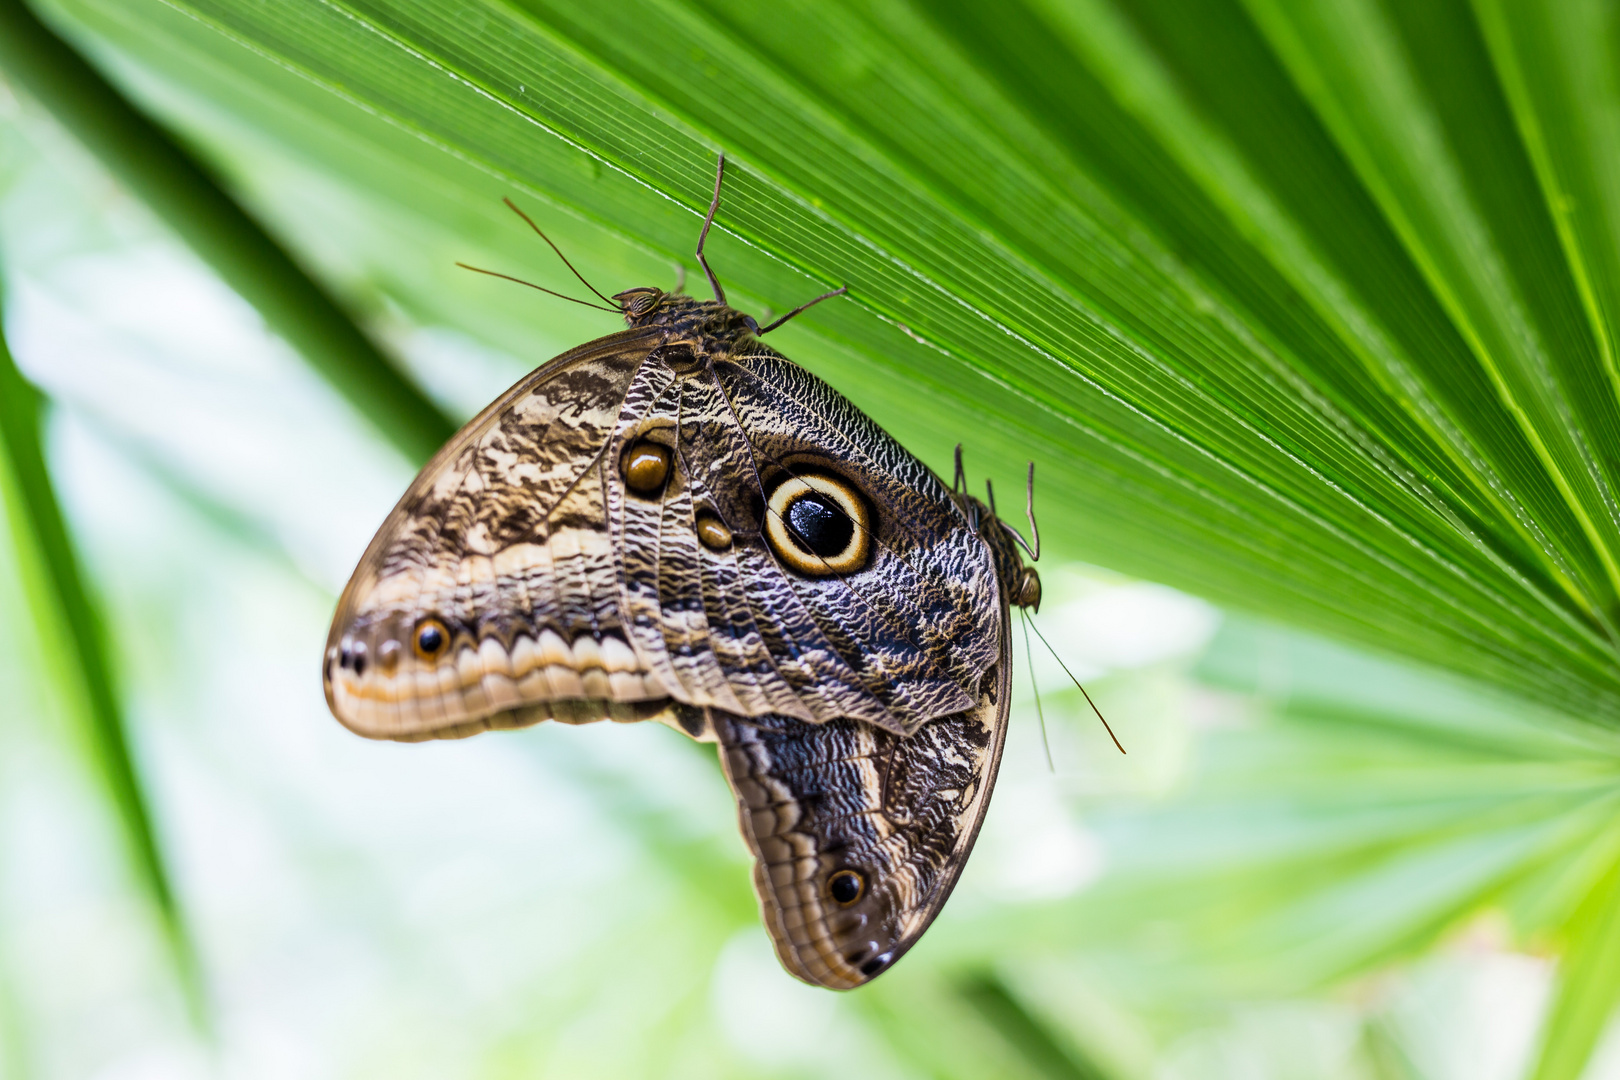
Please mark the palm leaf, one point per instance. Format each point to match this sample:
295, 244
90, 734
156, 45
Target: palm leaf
69, 626
172, 184
1276, 296
1307, 308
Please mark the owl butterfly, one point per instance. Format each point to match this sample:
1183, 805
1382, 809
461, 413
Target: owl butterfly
676, 523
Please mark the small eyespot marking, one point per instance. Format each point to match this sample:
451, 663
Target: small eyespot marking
819, 525
388, 656
646, 467
846, 886
868, 949
877, 964
712, 532
431, 639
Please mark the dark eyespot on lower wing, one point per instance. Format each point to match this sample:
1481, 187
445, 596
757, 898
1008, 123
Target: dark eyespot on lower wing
859, 834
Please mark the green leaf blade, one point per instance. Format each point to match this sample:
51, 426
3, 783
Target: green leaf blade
68, 622
1041, 315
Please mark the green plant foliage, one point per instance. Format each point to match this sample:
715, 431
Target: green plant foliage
1590, 987
68, 626
1299, 306
1306, 307
143, 156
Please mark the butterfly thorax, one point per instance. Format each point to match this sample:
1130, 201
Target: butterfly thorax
708, 323
1020, 584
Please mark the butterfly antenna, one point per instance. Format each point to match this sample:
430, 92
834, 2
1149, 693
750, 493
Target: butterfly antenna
1034, 553
840, 291
708, 219
541, 288
1033, 685
680, 279
959, 488
1070, 674
514, 208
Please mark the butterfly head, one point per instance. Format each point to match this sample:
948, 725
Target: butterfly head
1028, 592
1020, 583
685, 315
641, 305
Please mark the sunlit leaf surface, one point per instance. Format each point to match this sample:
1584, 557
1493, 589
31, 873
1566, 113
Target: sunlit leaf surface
1305, 308
1277, 296
66, 625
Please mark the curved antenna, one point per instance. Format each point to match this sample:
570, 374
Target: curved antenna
1029, 652
1031, 624
708, 219
1034, 553
840, 291
541, 288
514, 208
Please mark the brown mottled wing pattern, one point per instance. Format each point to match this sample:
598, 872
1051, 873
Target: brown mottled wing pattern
817, 801
903, 640
503, 539
860, 713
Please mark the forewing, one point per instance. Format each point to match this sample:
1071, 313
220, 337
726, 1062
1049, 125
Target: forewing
503, 542
902, 640
817, 801
720, 625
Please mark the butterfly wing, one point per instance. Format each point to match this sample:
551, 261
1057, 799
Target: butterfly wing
899, 637
856, 679
521, 578
859, 834
490, 596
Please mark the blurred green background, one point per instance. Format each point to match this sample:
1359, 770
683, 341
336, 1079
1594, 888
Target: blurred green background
1303, 307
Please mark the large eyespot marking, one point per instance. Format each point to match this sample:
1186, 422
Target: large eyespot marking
846, 886
431, 639
819, 525
646, 467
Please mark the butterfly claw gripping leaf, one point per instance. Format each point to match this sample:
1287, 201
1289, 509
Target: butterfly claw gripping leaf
676, 523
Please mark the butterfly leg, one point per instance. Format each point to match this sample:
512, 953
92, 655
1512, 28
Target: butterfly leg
708, 220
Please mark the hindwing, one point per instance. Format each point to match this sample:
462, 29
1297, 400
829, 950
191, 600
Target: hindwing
901, 639
859, 834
